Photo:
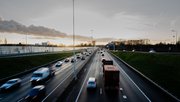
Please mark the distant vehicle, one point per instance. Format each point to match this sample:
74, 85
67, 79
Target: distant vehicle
91, 84
152, 51
106, 62
11, 84
36, 94
87, 54
133, 50
73, 60
41, 75
103, 59
111, 77
82, 58
67, 60
59, 63
102, 54
78, 56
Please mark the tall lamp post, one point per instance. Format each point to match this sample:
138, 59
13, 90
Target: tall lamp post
176, 36
74, 65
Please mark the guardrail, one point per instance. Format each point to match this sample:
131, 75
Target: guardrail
66, 82
28, 71
145, 77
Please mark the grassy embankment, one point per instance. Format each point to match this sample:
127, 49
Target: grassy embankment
162, 69
11, 66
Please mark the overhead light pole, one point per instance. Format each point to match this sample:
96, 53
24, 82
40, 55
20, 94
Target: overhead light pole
176, 36
74, 65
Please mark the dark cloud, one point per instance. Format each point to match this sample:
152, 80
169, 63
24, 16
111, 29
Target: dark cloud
15, 27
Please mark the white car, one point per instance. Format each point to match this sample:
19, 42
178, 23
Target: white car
59, 63
91, 84
152, 51
11, 84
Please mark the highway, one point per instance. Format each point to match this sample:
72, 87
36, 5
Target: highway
53, 85
133, 88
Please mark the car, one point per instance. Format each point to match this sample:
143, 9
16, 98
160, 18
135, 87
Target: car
82, 58
59, 63
87, 54
73, 60
67, 60
103, 59
102, 55
11, 84
152, 51
78, 56
91, 84
37, 93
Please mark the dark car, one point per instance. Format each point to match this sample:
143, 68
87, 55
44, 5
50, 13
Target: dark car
67, 60
11, 84
102, 54
78, 56
59, 64
73, 60
36, 94
82, 58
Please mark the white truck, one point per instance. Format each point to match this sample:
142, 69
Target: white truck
41, 75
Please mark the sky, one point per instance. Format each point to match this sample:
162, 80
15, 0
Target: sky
104, 20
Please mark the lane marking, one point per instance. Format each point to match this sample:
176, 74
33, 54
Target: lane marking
56, 87
20, 100
60, 84
131, 80
85, 70
83, 84
100, 91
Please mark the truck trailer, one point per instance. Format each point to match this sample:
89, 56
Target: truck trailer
111, 77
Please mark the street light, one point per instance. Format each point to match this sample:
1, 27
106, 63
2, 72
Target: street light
74, 65
176, 34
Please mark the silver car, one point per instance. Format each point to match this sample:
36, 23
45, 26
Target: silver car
11, 84
91, 84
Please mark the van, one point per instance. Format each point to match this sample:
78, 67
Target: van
40, 75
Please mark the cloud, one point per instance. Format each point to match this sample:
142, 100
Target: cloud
15, 27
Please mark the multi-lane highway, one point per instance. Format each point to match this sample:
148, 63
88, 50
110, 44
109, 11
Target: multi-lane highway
133, 88
54, 86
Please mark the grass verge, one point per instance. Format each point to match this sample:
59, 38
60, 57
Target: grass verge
164, 69
11, 66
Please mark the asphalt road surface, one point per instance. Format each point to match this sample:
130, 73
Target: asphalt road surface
132, 88
53, 85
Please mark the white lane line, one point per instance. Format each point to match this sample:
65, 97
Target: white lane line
124, 96
83, 85
100, 91
131, 80
20, 100
56, 87
25, 83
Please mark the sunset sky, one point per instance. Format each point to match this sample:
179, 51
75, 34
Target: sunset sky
105, 20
